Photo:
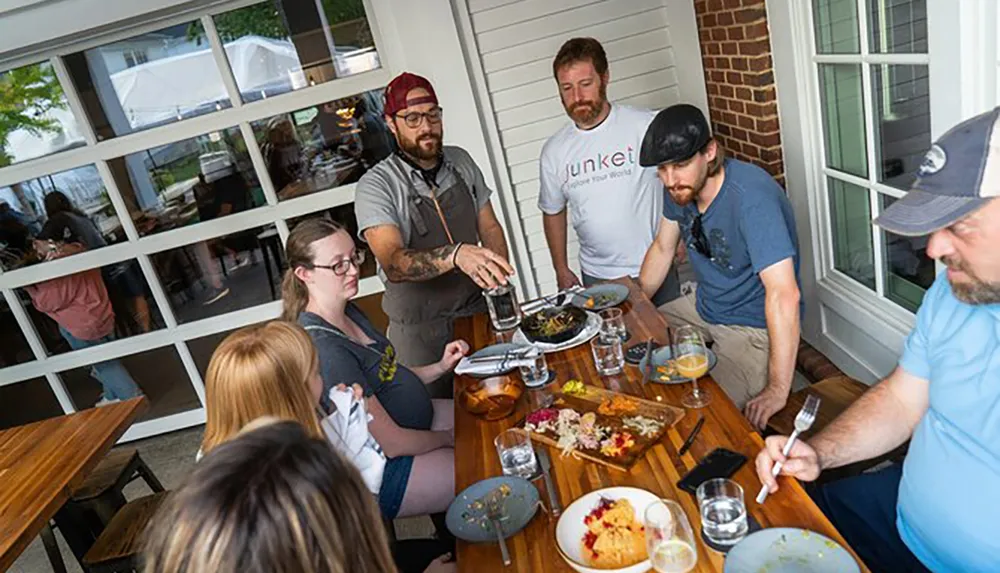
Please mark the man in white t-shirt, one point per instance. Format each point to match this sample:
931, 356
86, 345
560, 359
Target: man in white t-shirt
592, 167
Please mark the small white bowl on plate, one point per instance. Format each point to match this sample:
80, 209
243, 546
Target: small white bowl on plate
570, 529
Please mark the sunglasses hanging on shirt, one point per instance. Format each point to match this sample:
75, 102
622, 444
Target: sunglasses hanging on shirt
699, 239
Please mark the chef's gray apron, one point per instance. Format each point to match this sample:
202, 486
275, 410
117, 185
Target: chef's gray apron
422, 314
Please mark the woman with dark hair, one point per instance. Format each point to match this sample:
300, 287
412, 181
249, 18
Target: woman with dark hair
274, 498
66, 223
416, 433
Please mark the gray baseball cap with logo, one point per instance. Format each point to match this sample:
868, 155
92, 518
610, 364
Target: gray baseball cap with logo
960, 174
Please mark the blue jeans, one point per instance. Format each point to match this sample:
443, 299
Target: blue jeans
863, 509
117, 382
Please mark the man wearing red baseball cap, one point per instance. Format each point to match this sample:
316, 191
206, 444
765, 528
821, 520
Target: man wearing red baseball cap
426, 214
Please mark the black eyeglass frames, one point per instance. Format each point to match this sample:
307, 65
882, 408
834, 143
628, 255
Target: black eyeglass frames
415, 118
341, 267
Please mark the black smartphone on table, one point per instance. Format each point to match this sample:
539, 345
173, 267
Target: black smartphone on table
719, 463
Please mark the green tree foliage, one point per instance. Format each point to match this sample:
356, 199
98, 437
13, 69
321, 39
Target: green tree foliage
27, 94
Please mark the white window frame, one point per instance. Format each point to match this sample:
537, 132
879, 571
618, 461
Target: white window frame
963, 69
98, 153
866, 60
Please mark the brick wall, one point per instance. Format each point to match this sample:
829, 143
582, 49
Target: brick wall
739, 78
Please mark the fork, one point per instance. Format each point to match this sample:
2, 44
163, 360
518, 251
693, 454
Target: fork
495, 514
803, 421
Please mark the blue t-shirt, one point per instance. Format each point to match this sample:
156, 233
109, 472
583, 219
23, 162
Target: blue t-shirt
374, 367
949, 496
749, 226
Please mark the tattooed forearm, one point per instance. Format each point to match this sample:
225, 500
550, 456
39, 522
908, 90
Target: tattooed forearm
420, 265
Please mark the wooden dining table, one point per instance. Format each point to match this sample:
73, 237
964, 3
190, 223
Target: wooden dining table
534, 548
43, 462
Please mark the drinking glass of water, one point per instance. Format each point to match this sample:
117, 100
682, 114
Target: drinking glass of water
613, 323
501, 301
723, 513
669, 541
608, 355
536, 372
517, 457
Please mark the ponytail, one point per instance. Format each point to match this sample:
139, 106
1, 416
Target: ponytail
294, 296
299, 252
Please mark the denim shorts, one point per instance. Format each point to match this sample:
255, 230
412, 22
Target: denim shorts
394, 479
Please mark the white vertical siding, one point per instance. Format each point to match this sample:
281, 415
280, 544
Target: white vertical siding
515, 41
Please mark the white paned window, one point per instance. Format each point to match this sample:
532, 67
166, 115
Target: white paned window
871, 64
176, 157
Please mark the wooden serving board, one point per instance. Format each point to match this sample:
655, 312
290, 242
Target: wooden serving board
591, 401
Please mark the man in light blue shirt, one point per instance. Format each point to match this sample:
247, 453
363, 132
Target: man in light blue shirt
938, 511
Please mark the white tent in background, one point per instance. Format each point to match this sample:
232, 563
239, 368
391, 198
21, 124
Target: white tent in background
23, 145
165, 89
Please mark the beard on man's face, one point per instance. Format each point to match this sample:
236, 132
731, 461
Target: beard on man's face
586, 111
974, 290
426, 146
684, 194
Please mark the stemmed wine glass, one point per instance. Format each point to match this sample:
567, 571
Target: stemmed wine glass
669, 540
691, 362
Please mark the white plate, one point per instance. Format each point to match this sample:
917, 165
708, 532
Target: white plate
590, 330
789, 550
570, 529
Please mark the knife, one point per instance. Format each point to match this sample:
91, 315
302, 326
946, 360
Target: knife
509, 355
648, 370
546, 463
690, 439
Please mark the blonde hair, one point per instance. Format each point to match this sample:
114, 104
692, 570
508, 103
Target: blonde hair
260, 370
299, 252
271, 499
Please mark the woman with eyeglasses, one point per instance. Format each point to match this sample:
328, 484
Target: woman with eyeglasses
415, 432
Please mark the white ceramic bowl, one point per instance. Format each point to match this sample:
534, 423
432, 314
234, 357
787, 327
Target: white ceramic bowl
570, 529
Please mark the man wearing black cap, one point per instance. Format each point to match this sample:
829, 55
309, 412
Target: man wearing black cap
937, 511
740, 233
425, 211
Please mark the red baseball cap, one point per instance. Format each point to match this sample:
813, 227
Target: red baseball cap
400, 86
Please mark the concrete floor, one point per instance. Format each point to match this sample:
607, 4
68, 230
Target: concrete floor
171, 457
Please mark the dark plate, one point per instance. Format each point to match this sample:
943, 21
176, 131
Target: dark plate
531, 324
601, 296
466, 516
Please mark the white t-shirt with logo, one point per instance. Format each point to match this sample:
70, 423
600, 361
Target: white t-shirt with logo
614, 204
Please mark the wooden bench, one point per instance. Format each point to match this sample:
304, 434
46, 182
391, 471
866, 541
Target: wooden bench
836, 395
118, 547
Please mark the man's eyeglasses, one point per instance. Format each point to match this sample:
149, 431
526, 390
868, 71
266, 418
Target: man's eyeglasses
701, 243
341, 267
414, 119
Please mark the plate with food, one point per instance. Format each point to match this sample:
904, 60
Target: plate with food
665, 368
467, 515
554, 325
599, 425
789, 550
591, 328
602, 296
602, 531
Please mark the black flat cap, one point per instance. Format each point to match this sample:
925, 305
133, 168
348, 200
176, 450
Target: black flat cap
675, 134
